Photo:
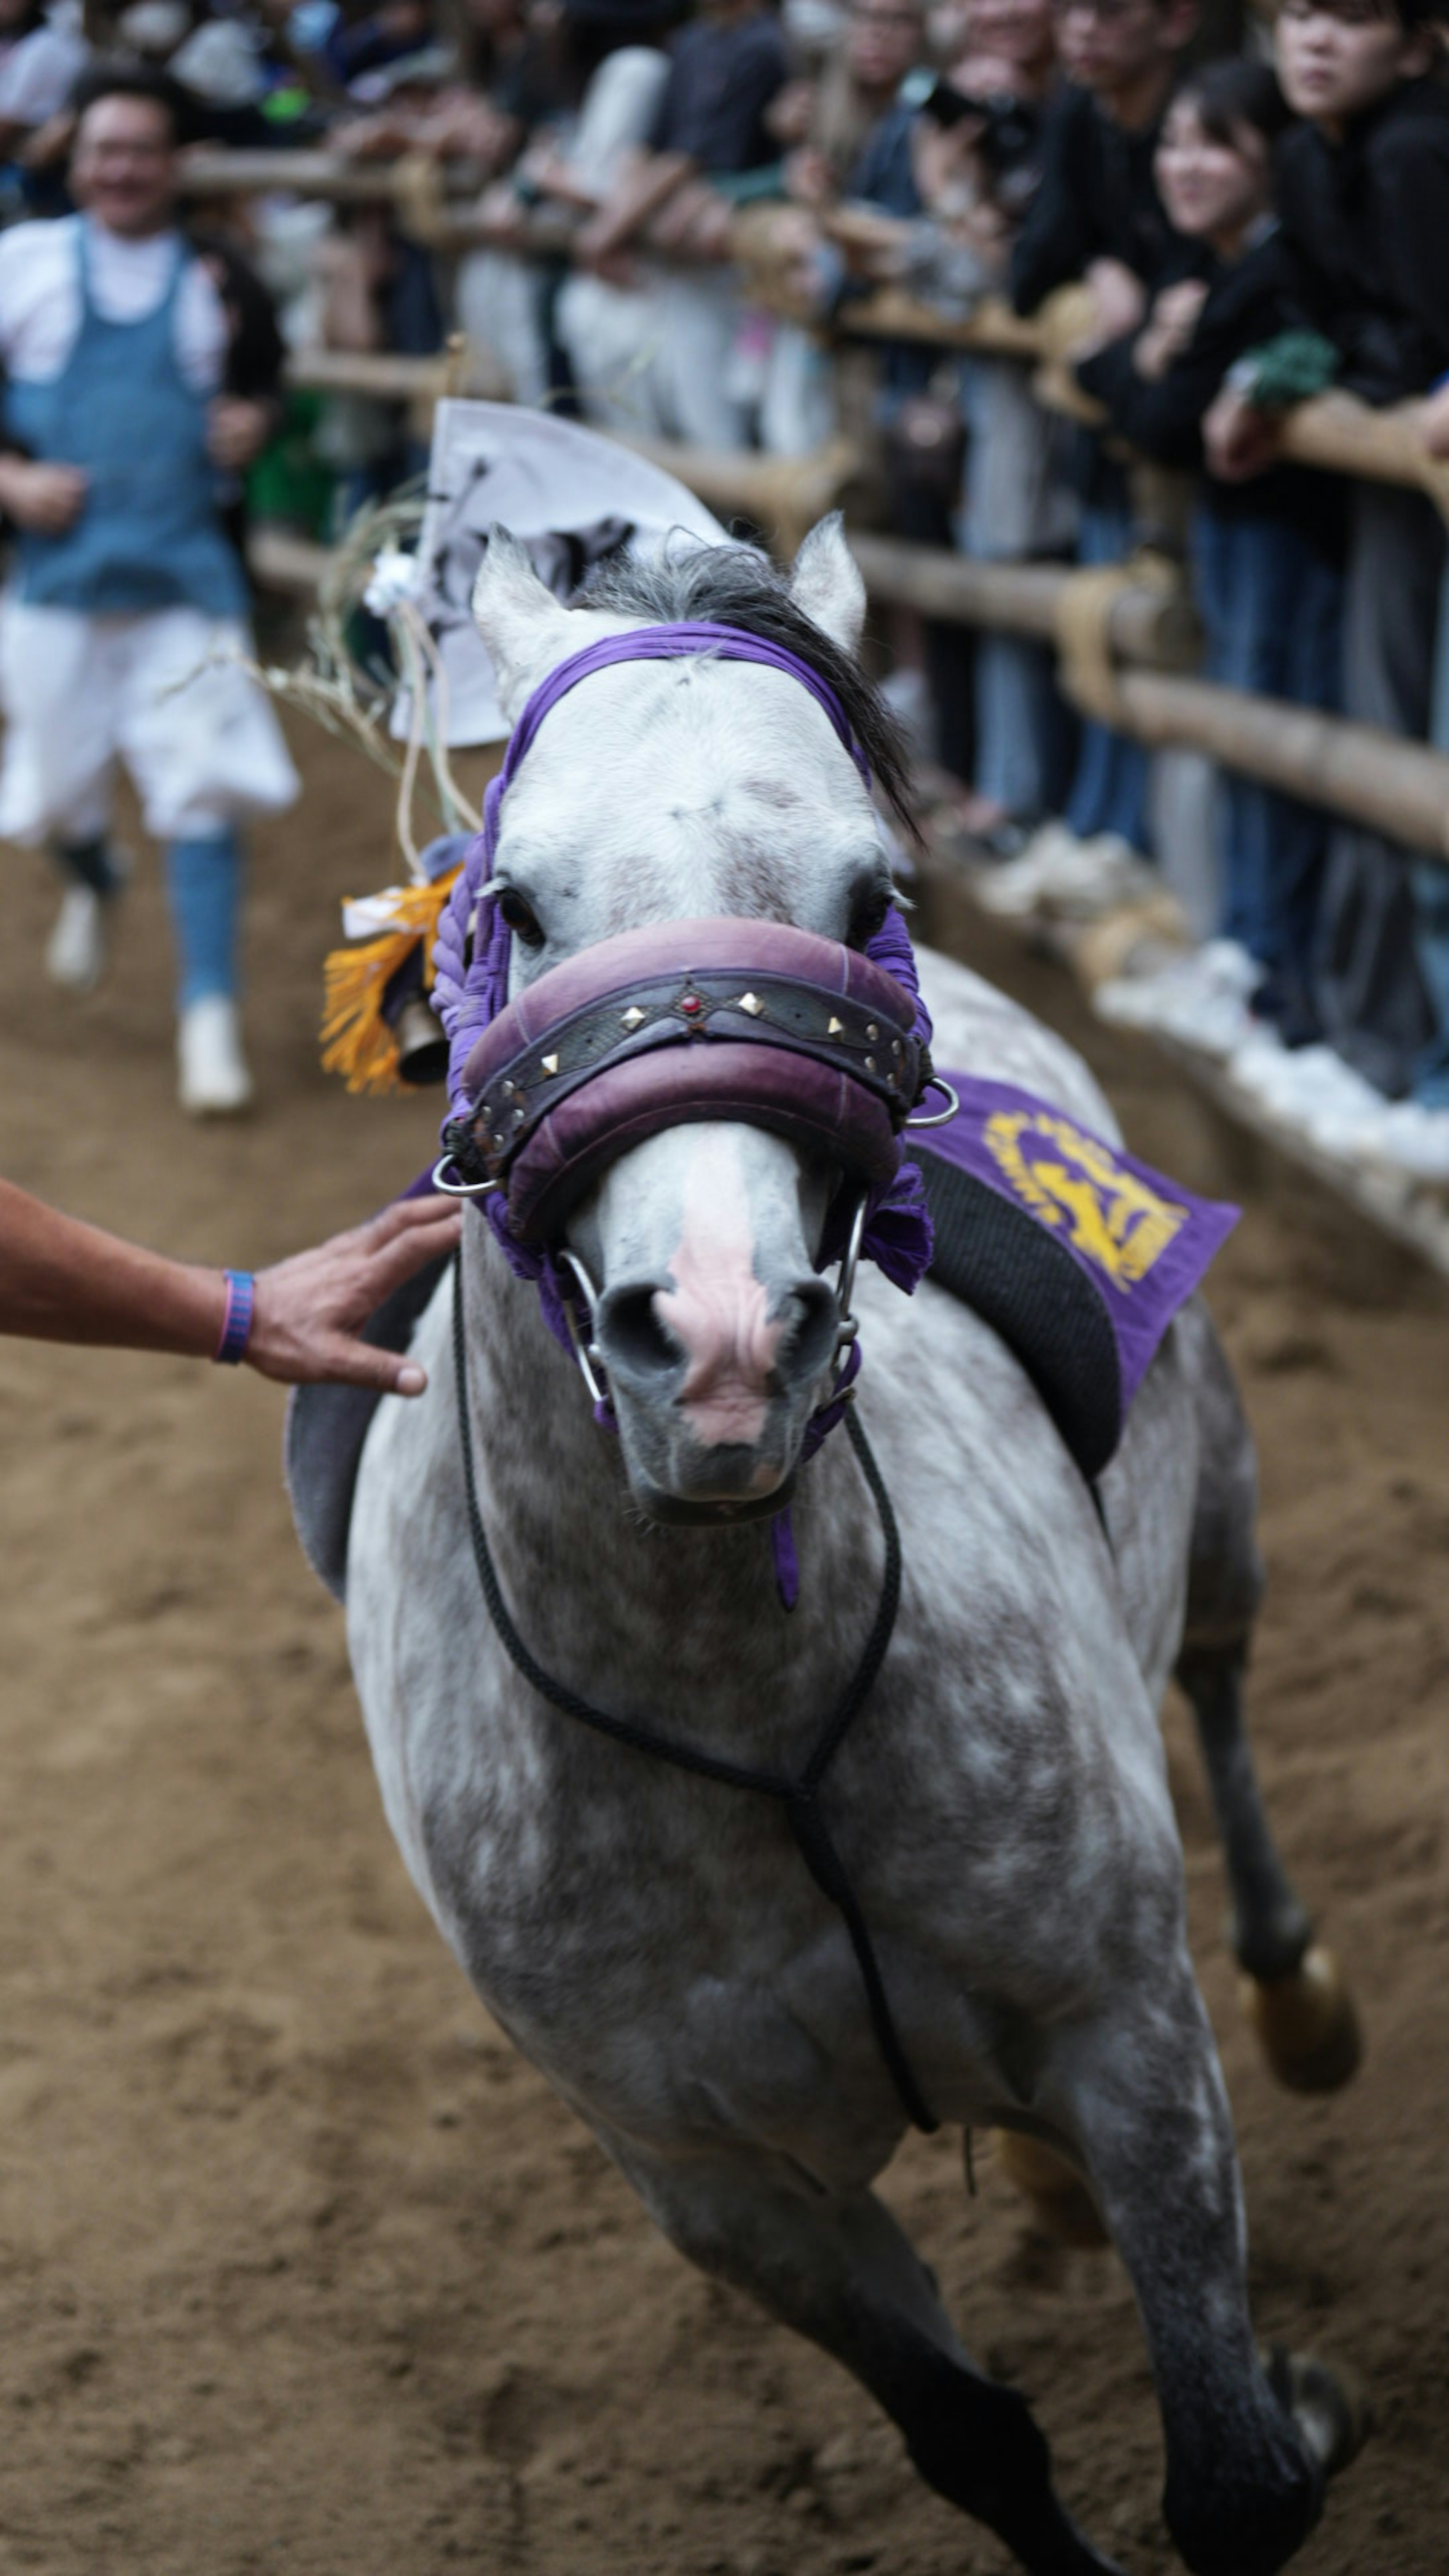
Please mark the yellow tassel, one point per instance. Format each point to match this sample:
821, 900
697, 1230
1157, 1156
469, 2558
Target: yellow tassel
356, 1040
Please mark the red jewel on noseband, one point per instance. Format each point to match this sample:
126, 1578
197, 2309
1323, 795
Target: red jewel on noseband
691, 1003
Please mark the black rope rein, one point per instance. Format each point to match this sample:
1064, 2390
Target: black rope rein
800, 1797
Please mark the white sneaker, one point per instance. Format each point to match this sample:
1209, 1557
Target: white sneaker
1406, 1138
214, 1080
75, 953
1304, 1084
1014, 887
1201, 1000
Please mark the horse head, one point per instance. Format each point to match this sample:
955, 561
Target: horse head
700, 791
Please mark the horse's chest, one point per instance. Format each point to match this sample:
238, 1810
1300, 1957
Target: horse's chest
658, 1946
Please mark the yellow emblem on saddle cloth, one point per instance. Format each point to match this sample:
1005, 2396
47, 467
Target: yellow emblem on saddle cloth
1069, 1178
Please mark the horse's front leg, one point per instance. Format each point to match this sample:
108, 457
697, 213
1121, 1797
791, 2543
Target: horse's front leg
1245, 2475
837, 2268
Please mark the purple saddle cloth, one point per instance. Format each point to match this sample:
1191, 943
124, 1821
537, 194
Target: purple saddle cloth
1075, 1252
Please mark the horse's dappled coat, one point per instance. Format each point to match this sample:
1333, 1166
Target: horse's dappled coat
1002, 1802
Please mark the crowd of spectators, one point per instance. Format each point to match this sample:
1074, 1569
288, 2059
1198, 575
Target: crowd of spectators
1222, 212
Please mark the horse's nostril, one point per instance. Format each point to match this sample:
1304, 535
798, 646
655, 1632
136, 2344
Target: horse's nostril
631, 1336
808, 1340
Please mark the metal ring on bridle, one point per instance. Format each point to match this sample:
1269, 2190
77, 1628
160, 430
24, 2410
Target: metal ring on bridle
846, 1326
588, 1354
459, 1189
940, 1117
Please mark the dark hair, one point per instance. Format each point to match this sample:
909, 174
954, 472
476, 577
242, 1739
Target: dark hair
122, 76
1234, 92
1414, 16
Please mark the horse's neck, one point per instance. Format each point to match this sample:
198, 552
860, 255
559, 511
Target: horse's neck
682, 1627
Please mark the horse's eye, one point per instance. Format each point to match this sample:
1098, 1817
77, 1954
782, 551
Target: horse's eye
868, 910
520, 917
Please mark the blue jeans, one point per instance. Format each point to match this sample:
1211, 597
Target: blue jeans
1109, 789
1018, 723
1272, 605
203, 881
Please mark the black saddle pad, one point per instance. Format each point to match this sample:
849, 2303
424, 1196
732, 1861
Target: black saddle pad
1020, 1280
326, 1427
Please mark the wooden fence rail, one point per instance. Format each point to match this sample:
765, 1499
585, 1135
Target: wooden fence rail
1334, 433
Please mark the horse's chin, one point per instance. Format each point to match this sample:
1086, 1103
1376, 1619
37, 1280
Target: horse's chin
682, 1482
709, 1511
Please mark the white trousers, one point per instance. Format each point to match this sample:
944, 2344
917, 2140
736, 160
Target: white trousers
613, 335
699, 319
199, 738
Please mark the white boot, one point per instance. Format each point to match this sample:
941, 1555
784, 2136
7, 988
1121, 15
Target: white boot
214, 1077
76, 950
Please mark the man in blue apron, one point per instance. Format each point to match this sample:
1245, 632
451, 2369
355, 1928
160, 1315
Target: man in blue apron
140, 377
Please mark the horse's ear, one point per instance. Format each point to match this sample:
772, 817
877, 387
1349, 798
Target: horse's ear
826, 583
523, 626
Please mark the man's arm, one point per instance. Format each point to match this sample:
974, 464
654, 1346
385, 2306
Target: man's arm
246, 411
647, 181
1415, 180
62, 1281
46, 498
1057, 241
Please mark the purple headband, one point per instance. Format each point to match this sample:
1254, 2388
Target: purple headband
468, 996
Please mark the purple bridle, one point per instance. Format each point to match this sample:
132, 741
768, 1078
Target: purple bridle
564, 1117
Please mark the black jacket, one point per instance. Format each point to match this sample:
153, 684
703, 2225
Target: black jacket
1097, 200
254, 352
1161, 416
1366, 241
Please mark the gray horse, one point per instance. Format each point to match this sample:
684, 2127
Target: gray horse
651, 1940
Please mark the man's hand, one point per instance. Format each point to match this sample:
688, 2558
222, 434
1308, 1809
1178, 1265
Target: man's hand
1238, 439
1172, 324
310, 1310
236, 431
1431, 420
45, 498
1119, 299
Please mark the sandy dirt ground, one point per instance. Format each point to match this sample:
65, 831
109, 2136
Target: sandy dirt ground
301, 2268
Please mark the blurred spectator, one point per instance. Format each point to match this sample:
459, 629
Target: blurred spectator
41, 58
1097, 219
42, 54
1363, 195
1267, 555
549, 324
710, 149
829, 126
1017, 497
883, 40
141, 377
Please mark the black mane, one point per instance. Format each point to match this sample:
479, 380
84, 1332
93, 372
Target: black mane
734, 585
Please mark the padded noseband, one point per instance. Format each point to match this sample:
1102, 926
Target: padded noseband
674, 1024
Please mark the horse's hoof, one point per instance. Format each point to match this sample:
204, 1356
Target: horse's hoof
1060, 2201
1306, 2024
1329, 2406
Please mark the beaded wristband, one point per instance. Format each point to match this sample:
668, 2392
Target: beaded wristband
241, 1289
